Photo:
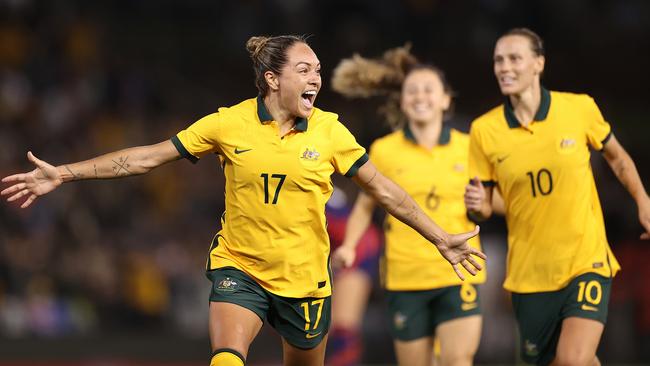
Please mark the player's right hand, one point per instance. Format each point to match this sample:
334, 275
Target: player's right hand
42, 180
344, 257
474, 195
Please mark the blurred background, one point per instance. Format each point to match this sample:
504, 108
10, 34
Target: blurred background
111, 272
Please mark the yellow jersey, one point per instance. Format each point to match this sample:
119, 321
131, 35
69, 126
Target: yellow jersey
555, 224
274, 226
436, 180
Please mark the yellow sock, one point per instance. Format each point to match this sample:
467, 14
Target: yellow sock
436, 351
227, 357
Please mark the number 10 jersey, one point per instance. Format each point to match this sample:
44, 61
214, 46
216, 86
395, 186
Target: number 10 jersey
555, 223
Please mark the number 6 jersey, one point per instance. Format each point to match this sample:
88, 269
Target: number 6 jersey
436, 180
274, 226
555, 223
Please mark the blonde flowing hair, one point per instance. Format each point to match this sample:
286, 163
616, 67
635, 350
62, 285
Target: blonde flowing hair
360, 77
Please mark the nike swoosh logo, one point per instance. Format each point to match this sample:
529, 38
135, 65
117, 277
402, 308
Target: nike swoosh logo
468, 306
309, 335
237, 151
588, 308
501, 159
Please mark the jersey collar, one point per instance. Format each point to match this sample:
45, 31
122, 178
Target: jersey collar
263, 114
445, 134
540, 116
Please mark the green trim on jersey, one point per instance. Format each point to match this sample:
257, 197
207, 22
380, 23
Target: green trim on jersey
540, 116
263, 114
445, 134
183, 151
357, 164
602, 143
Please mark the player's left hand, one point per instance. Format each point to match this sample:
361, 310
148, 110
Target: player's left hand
457, 251
644, 217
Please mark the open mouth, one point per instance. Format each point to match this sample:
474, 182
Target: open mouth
506, 81
421, 108
308, 98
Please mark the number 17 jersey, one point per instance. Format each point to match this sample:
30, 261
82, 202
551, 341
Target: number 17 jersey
274, 226
555, 224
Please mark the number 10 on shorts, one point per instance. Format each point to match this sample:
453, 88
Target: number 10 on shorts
586, 292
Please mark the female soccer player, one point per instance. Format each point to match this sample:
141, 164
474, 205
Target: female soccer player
535, 149
353, 284
430, 161
270, 259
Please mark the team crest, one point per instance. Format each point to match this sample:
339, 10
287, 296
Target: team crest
530, 348
310, 154
227, 284
566, 145
399, 320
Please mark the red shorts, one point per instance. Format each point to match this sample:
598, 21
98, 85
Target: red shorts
368, 249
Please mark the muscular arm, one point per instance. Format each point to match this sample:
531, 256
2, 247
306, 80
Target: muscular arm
623, 167
46, 178
122, 163
398, 203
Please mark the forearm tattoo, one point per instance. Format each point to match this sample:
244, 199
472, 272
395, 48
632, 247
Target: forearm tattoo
95, 167
74, 175
402, 201
621, 173
371, 178
121, 166
411, 212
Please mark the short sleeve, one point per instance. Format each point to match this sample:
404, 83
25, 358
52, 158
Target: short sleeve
479, 164
597, 129
348, 155
200, 138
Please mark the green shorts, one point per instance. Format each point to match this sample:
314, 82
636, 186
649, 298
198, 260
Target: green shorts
540, 314
302, 322
417, 314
